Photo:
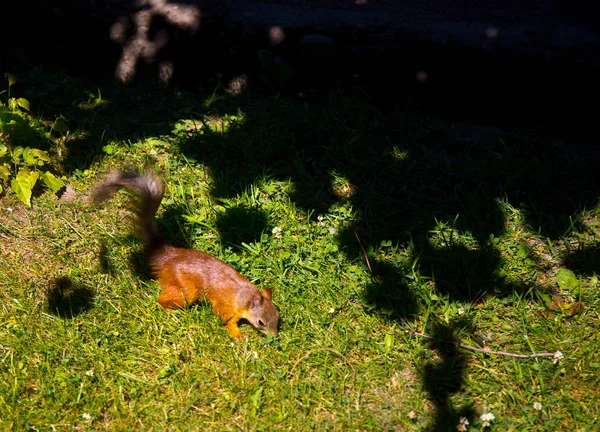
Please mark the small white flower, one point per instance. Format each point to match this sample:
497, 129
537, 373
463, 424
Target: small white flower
332, 231
320, 218
537, 406
276, 232
486, 418
558, 356
461, 311
412, 414
9, 209
89, 373
462, 424
86, 416
331, 310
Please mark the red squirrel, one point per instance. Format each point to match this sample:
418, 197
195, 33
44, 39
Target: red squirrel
188, 275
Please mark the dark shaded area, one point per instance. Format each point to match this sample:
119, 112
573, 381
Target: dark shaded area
585, 261
444, 377
68, 299
241, 225
407, 170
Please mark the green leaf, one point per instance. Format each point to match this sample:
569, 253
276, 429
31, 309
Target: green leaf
17, 152
566, 279
54, 183
22, 186
28, 156
23, 103
3, 150
388, 340
41, 154
255, 398
108, 149
60, 125
4, 172
11, 78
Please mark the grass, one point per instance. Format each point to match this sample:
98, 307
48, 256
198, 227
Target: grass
471, 235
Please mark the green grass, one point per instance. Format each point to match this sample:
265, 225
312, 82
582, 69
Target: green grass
464, 228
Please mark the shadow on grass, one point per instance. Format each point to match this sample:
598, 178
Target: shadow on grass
241, 225
444, 377
68, 299
405, 175
585, 261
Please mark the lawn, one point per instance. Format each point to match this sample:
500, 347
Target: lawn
388, 237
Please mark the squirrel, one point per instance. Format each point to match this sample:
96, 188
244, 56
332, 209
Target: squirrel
188, 275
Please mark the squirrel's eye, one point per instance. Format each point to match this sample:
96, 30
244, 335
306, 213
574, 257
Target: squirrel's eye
260, 323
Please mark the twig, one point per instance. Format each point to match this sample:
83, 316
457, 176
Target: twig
305, 356
458, 344
364, 252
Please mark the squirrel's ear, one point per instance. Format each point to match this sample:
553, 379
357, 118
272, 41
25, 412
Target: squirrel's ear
266, 293
256, 300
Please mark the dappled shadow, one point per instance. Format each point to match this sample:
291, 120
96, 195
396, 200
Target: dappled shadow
444, 376
68, 299
412, 182
584, 262
241, 225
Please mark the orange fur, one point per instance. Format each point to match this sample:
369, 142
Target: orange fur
189, 275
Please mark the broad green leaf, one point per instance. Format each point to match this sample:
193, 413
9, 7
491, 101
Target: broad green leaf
3, 150
23, 103
566, 279
41, 154
53, 182
4, 172
17, 152
28, 156
22, 186
11, 78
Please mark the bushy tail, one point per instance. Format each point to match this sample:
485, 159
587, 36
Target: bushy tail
147, 190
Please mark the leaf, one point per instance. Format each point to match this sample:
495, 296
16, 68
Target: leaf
11, 78
255, 398
166, 371
3, 150
557, 303
54, 183
388, 340
28, 156
60, 125
23, 103
573, 309
41, 154
17, 152
108, 149
4, 172
566, 279
22, 186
